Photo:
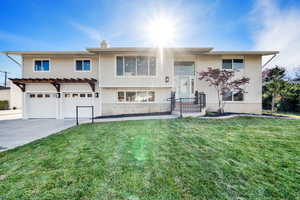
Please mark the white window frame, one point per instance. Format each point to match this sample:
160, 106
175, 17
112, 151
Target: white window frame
83, 59
135, 76
136, 91
41, 59
232, 63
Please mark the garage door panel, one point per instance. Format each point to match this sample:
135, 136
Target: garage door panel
71, 100
41, 105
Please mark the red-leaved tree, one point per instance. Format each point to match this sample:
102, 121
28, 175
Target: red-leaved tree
223, 81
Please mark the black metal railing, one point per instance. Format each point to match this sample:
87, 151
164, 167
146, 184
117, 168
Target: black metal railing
77, 110
188, 105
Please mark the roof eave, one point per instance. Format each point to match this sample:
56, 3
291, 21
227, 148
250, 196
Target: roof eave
262, 53
47, 52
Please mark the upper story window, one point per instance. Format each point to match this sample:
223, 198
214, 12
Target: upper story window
235, 64
233, 96
83, 65
41, 65
136, 66
184, 68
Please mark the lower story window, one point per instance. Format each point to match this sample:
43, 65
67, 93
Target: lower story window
136, 96
233, 96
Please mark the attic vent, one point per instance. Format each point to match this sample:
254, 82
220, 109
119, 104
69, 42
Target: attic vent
104, 44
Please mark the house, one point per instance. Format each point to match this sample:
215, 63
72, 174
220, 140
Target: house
132, 80
12, 95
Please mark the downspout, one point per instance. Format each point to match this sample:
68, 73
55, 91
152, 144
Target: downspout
269, 60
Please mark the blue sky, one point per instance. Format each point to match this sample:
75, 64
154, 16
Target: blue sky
222, 24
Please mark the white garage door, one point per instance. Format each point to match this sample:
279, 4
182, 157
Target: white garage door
73, 99
41, 105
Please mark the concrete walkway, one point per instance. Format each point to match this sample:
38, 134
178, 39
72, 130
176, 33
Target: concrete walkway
117, 119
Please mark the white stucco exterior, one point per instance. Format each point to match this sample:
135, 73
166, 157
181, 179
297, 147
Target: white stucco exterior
103, 69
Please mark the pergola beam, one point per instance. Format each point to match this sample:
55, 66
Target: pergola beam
56, 82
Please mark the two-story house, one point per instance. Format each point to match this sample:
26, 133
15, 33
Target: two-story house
130, 80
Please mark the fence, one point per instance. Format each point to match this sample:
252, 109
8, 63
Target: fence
188, 105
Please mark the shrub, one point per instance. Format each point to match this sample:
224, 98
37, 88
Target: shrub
4, 105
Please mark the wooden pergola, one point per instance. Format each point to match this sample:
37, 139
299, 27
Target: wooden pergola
56, 82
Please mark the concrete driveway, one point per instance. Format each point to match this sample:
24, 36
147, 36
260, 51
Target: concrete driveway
17, 132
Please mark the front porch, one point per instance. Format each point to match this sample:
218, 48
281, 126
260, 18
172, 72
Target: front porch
188, 107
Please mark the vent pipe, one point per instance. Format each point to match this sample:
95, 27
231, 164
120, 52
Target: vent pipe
104, 44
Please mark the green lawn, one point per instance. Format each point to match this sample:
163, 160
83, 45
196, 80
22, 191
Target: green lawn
286, 114
241, 158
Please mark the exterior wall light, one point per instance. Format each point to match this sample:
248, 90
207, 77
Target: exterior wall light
167, 79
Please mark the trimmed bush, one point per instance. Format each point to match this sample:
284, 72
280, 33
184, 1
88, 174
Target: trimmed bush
4, 105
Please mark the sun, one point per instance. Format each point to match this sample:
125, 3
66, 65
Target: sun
161, 31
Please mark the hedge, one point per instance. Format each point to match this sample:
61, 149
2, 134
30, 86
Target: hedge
4, 105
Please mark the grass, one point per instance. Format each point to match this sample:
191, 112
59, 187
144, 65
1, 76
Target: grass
285, 114
240, 158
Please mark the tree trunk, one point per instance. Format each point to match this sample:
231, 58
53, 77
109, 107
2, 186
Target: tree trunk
220, 110
273, 103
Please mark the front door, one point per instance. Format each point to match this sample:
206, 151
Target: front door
184, 79
183, 89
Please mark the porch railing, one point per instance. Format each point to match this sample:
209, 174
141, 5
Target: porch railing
188, 105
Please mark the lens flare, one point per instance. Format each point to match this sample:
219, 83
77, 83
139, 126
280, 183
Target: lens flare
161, 31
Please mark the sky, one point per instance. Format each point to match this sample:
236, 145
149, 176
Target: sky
31, 25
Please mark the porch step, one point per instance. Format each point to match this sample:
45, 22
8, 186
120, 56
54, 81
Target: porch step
190, 114
188, 108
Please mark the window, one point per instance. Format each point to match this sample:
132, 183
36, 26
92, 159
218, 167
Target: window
235, 64
47, 95
121, 96
233, 96
136, 96
151, 96
120, 67
130, 66
39, 95
82, 95
184, 68
89, 95
238, 96
130, 96
152, 66
67, 95
83, 65
136, 66
32, 95
142, 65
41, 65
141, 96
74, 95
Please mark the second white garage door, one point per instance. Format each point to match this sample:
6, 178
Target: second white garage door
72, 99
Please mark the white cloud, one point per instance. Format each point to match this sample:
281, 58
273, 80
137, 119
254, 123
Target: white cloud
92, 33
277, 29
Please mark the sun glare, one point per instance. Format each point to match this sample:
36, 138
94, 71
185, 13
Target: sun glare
161, 31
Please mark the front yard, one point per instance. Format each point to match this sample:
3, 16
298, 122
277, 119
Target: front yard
241, 158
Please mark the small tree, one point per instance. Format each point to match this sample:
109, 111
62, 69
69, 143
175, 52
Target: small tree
223, 81
274, 84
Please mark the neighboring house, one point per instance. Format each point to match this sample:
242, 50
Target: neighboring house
130, 80
4, 93
13, 95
